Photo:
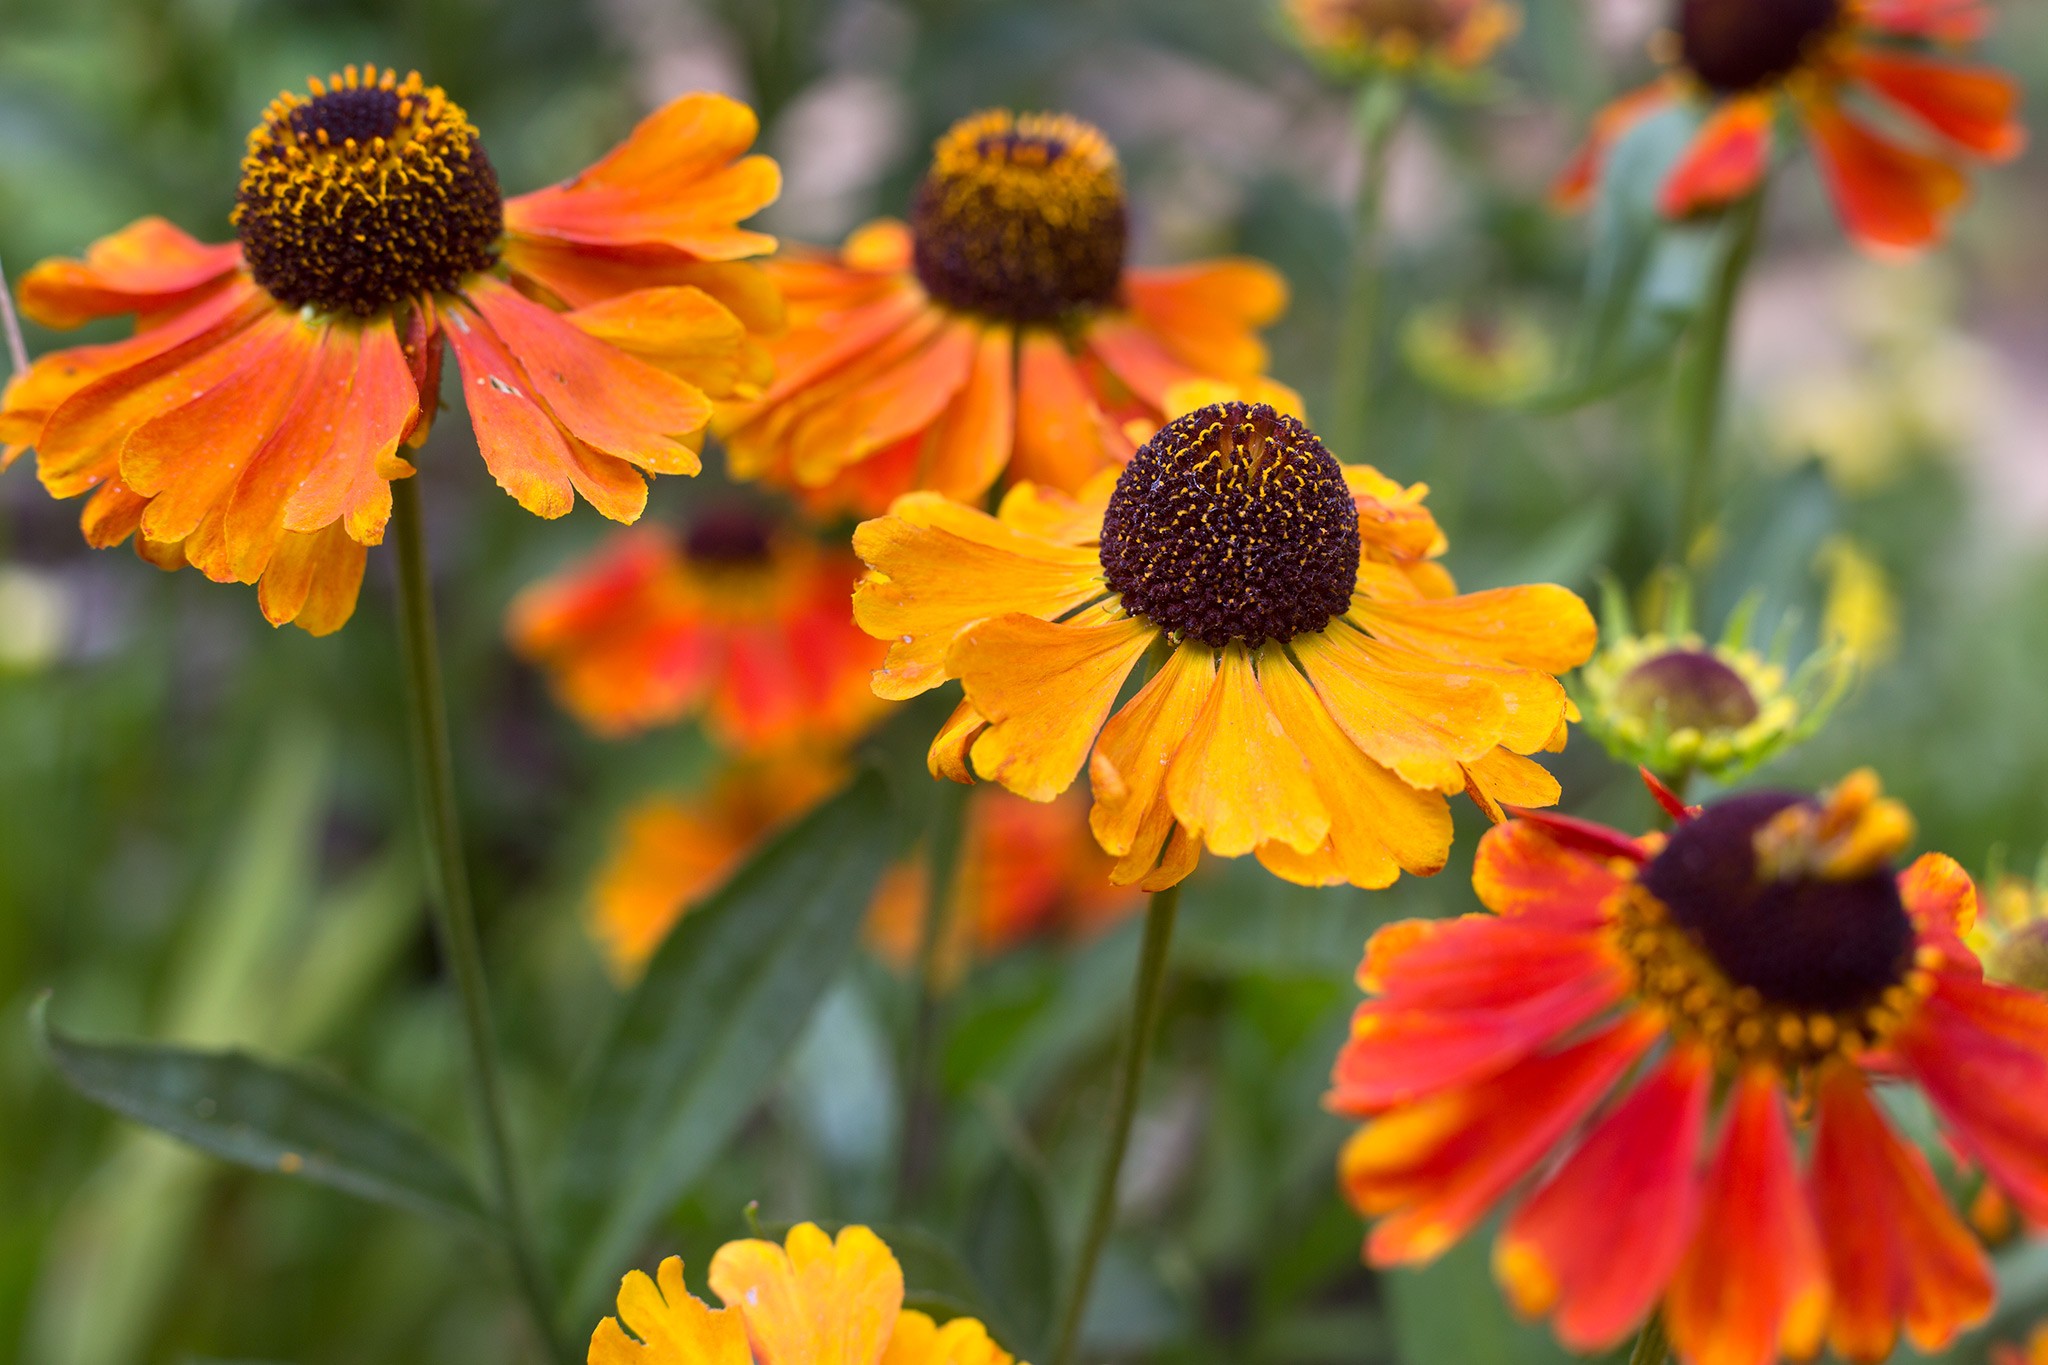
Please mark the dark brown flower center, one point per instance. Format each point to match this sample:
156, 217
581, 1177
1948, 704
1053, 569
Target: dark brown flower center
370, 191
1687, 689
731, 537
1806, 942
1233, 523
1738, 45
1020, 217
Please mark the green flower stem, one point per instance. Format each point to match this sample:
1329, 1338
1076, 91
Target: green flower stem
1701, 382
1652, 1347
454, 913
917, 1134
1380, 106
1146, 997
17, 349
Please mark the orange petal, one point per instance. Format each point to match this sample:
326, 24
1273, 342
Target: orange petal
1893, 1246
1045, 691
1206, 313
300, 446
896, 395
1522, 869
1975, 107
1430, 1171
972, 437
112, 514
1379, 825
1238, 781
1630, 1185
1891, 199
312, 580
1131, 817
1505, 779
681, 331
939, 567
675, 181
1137, 358
1753, 1282
1062, 436
354, 481
1942, 21
147, 267
963, 1341
1942, 900
522, 446
669, 1325
947, 757
817, 1302
597, 393
1726, 160
1574, 188
1539, 626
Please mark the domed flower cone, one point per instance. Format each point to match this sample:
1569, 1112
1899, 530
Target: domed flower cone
1631, 1040
998, 334
254, 423
1750, 62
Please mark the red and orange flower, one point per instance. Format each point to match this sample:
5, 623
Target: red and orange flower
1317, 687
999, 331
815, 1299
253, 424
1750, 61
743, 619
1628, 1029
1447, 35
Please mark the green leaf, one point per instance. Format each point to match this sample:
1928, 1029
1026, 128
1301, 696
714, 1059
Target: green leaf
705, 1032
1648, 277
1451, 1310
265, 1116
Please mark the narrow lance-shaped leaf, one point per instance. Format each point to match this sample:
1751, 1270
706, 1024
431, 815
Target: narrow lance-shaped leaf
706, 1030
266, 1116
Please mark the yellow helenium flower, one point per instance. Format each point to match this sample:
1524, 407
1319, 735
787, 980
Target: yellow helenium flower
1319, 686
816, 1300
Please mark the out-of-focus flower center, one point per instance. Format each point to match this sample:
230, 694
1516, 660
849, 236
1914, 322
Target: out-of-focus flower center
1773, 925
1021, 217
369, 191
1233, 523
729, 538
1687, 689
1738, 45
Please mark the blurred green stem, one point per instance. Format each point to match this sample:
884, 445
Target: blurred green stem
1652, 1347
1380, 106
1146, 996
916, 1132
17, 349
455, 914
1703, 379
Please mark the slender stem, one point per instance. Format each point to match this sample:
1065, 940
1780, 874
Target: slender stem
1146, 997
1700, 396
916, 1132
17, 349
1652, 1347
454, 913
1380, 106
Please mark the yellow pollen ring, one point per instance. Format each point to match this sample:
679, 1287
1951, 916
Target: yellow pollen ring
431, 138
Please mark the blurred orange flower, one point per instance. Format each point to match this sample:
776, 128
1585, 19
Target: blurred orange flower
1763, 952
817, 1298
745, 620
1024, 871
999, 331
1451, 34
252, 425
1750, 61
1318, 687
2035, 1352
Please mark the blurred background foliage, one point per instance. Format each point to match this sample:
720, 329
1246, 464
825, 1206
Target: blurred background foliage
205, 826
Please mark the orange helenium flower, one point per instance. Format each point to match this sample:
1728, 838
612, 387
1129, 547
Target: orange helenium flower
1764, 952
1452, 34
1747, 61
1318, 686
818, 1300
252, 425
744, 620
1000, 330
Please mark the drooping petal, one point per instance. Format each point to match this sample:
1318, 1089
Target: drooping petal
1726, 161
1207, 314
1942, 900
1539, 626
1430, 1171
1598, 1242
1894, 1249
1505, 780
1127, 772
1045, 690
1892, 199
1239, 781
1753, 1282
970, 443
669, 1325
148, 267
1523, 869
817, 1302
1974, 107
312, 580
682, 331
520, 443
1063, 439
1575, 187
948, 755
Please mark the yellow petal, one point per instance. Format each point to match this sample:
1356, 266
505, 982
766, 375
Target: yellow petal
1045, 690
1540, 626
817, 1302
1504, 778
1239, 781
672, 1326
963, 1341
1423, 722
1128, 770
